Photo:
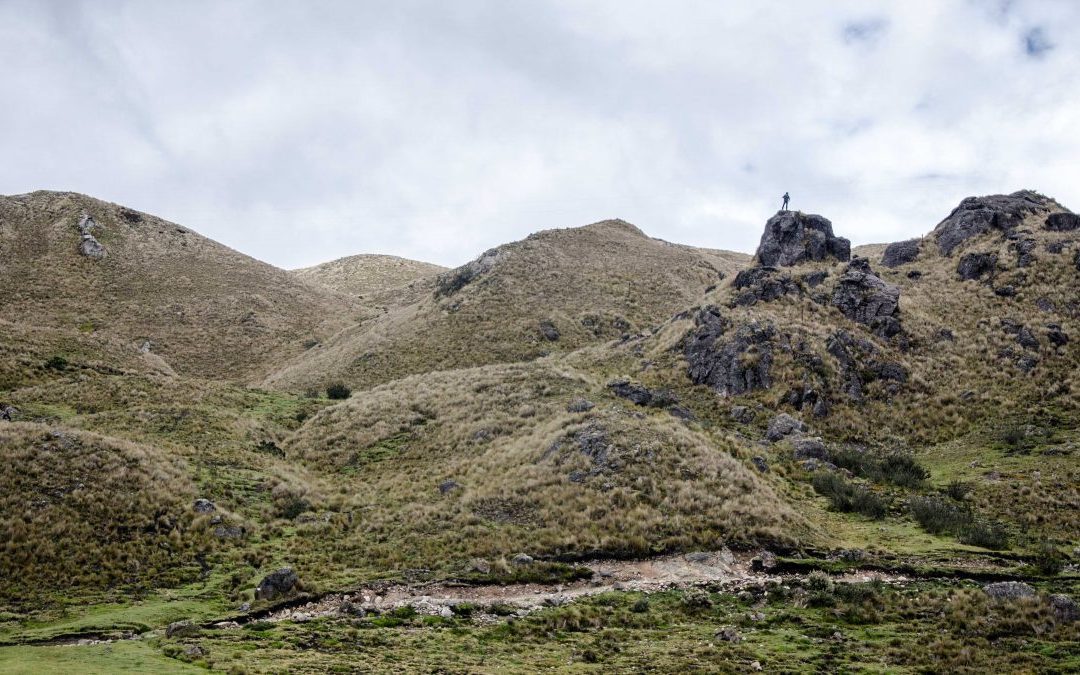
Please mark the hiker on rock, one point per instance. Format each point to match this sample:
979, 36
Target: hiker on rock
787, 198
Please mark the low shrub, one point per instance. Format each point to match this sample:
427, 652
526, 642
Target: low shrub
897, 468
338, 392
848, 497
938, 516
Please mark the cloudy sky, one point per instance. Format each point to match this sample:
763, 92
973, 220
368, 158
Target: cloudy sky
299, 132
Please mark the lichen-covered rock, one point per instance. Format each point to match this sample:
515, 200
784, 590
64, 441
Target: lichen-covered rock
810, 448
782, 426
863, 297
900, 253
979, 215
976, 265
760, 463
181, 629
1062, 222
1065, 608
276, 584
1009, 590
734, 363
861, 363
792, 237
763, 284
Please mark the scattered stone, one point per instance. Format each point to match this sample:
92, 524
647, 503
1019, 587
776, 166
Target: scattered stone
548, 330
1027, 339
755, 665
978, 215
446, 613
448, 486
900, 253
728, 634
783, 425
863, 297
734, 366
976, 265
914, 275
1005, 291
229, 531
522, 559
1045, 304
742, 414
1055, 247
1062, 222
792, 237
192, 651
640, 394
1009, 590
182, 629
278, 583
1025, 252
761, 464
682, 412
810, 448
579, 405
1055, 335
204, 506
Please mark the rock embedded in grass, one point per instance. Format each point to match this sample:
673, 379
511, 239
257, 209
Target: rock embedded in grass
276, 584
1009, 590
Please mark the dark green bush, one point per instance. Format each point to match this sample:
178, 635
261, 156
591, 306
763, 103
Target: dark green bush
56, 363
938, 516
897, 468
847, 497
338, 392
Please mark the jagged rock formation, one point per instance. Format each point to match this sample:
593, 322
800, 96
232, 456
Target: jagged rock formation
1062, 222
861, 363
900, 253
89, 246
863, 297
978, 215
733, 366
453, 281
763, 284
792, 237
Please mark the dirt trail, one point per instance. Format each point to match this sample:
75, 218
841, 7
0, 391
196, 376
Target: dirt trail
731, 571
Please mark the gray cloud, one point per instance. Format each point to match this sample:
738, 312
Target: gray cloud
300, 132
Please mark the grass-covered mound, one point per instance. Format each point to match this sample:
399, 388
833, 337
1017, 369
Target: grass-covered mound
87, 512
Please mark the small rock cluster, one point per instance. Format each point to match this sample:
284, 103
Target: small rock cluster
89, 246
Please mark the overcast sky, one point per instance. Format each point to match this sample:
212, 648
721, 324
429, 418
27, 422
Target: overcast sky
304, 131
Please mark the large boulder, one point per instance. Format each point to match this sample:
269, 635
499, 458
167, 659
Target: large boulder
276, 584
792, 237
1062, 222
865, 298
978, 215
900, 253
782, 426
976, 265
734, 363
1009, 590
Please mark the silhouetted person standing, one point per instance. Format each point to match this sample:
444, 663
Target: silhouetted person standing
787, 198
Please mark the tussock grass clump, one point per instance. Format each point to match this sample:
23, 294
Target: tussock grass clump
338, 392
88, 512
938, 516
895, 467
849, 497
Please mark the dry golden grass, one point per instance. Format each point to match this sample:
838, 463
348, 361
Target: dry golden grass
368, 276
206, 309
591, 283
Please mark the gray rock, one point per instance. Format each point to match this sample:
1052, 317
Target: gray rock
1025, 252
810, 448
731, 364
1076, 260
1065, 608
204, 506
760, 463
728, 634
1027, 339
522, 559
448, 486
815, 278
1062, 222
1055, 335
182, 629
863, 297
682, 412
579, 405
276, 584
89, 246
763, 284
1009, 590
783, 425
976, 265
8, 412
640, 394
548, 330
792, 237
698, 557
229, 532
1045, 304
979, 215
192, 651
900, 253
742, 414
763, 562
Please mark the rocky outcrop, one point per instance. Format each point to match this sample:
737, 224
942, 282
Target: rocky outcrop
792, 237
453, 281
763, 284
900, 253
976, 265
1055, 335
203, 505
782, 426
642, 395
979, 215
861, 364
731, 364
277, 584
89, 246
1062, 222
865, 298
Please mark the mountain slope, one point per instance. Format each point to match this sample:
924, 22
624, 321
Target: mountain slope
555, 291
367, 275
76, 264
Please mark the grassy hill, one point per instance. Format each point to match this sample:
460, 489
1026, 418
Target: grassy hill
555, 291
203, 308
367, 275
